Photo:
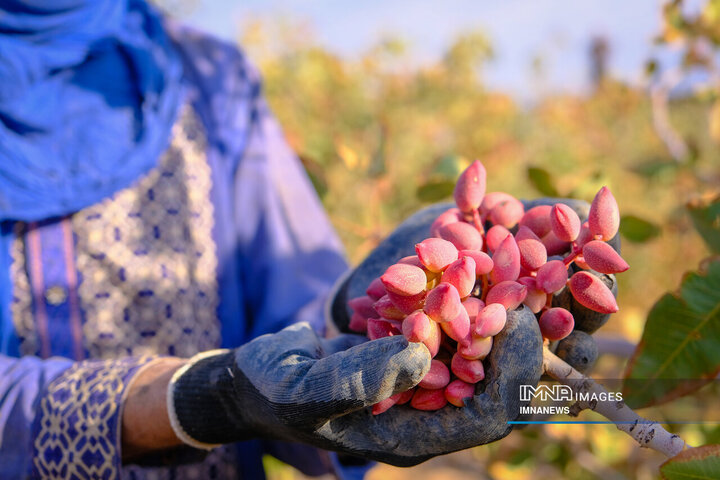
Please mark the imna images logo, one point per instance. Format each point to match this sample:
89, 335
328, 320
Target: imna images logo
546, 393
560, 393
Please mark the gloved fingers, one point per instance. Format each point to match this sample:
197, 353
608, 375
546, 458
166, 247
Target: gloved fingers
363, 374
271, 362
307, 394
296, 364
302, 387
403, 436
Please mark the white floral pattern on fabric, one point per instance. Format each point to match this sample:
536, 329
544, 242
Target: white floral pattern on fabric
147, 258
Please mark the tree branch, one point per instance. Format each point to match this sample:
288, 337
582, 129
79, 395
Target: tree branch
659, 99
647, 433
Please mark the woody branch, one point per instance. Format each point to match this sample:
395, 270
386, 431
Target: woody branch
647, 433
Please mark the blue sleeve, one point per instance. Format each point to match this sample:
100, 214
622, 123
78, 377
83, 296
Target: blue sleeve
62, 419
22, 383
286, 254
290, 255
350, 472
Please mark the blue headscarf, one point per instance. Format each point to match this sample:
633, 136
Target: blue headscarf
89, 90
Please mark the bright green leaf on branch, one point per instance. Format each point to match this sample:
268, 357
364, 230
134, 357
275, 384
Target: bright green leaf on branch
637, 229
680, 347
693, 464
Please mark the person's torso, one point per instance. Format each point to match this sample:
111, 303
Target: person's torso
133, 275
147, 271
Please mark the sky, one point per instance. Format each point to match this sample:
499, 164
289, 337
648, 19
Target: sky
559, 31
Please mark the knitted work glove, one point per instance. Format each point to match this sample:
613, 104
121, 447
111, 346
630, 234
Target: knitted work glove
412, 436
293, 386
404, 436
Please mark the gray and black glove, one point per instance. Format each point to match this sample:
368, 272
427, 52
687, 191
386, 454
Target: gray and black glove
412, 436
293, 386
515, 359
297, 387
404, 436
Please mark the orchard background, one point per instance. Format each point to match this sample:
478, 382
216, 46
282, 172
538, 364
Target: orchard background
382, 138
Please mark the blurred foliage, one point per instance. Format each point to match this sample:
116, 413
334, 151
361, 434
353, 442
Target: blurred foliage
638, 230
696, 30
543, 182
381, 137
693, 30
705, 213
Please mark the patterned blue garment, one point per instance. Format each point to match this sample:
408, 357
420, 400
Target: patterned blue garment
221, 241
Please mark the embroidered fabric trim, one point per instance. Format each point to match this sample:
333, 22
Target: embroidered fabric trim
77, 428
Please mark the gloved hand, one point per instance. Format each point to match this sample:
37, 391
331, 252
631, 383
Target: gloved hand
404, 436
294, 386
515, 359
412, 436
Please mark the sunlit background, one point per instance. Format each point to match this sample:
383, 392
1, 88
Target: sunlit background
386, 101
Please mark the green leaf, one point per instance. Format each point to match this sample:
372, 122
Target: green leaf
316, 174
378, 163
656, 167
450, 167
435, 190
680, 348
651, 67
542, 181
705, 214
693, 464
637, 229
